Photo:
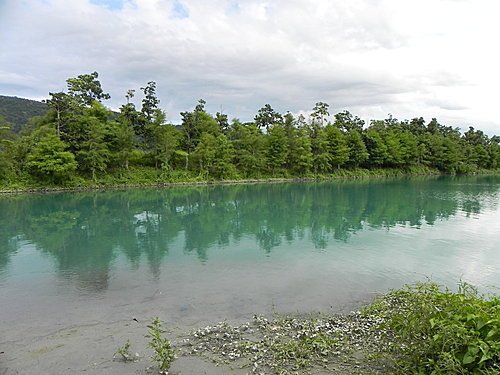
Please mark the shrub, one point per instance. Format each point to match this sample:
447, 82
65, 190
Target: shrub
435, 331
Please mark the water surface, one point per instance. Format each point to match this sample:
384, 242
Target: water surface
199, 254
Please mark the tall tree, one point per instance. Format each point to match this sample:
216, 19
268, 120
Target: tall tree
320, 149
276, 148
195, 123
320, 113
337, 146
300, 152
222, 121
63, 106
150, 101
376, 147
358, 154
93, 154
346, 122
267, 116
86, 88
249, 146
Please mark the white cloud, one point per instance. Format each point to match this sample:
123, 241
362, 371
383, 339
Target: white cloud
431, 58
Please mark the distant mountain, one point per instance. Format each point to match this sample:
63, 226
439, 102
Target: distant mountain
17, 111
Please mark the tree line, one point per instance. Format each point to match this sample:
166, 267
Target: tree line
79, 138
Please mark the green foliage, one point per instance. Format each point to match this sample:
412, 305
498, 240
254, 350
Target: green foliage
358, 154
86, 88
267, 116
164, 353
124, 352
319, 147
320, 113
6, 142
249, 145
436, 331
150, 101
277, 150
93, 153
337, 146
376, 147
300, 153
106, 144
165, 140
48, 158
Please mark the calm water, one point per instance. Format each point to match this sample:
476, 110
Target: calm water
201, 254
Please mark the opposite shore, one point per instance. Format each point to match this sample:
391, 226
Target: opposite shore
131, 180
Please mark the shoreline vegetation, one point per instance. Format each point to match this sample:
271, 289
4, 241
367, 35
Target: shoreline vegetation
129, 180
81, 144
419, 329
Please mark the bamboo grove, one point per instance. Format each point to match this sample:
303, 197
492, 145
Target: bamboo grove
79, 139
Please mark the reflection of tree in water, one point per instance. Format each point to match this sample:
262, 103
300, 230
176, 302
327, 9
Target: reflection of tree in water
85, 232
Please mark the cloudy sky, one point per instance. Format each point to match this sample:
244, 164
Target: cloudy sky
430, 58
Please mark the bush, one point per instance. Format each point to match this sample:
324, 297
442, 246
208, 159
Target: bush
432, 330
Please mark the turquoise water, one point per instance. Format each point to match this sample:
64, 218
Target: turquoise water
196, 254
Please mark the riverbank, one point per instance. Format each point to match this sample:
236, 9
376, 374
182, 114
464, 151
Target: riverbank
151, 177
416, 329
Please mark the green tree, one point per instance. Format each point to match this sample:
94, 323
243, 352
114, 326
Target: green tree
346, 122
93, 154
119, 137
249, 145
267, 116
194, 124
48, 158
493, 150
337, 146
167, 141
129, 117
222, 121
223, 166
376, 147
300, 152
63, 107
276, 148
394, 153
320, 149
358, 154
444, 152
320, 113
205, 152
86, 88
150, 101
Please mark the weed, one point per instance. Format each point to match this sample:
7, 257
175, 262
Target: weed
435, 331
163, 351
124, 351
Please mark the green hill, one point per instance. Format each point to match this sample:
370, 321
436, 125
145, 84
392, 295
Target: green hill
17, 111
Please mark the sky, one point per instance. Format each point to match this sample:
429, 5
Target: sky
407, 58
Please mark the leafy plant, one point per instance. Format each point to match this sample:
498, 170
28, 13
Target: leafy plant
436, 331
164, 353
124, 351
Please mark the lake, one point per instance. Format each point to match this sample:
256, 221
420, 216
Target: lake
194, 255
